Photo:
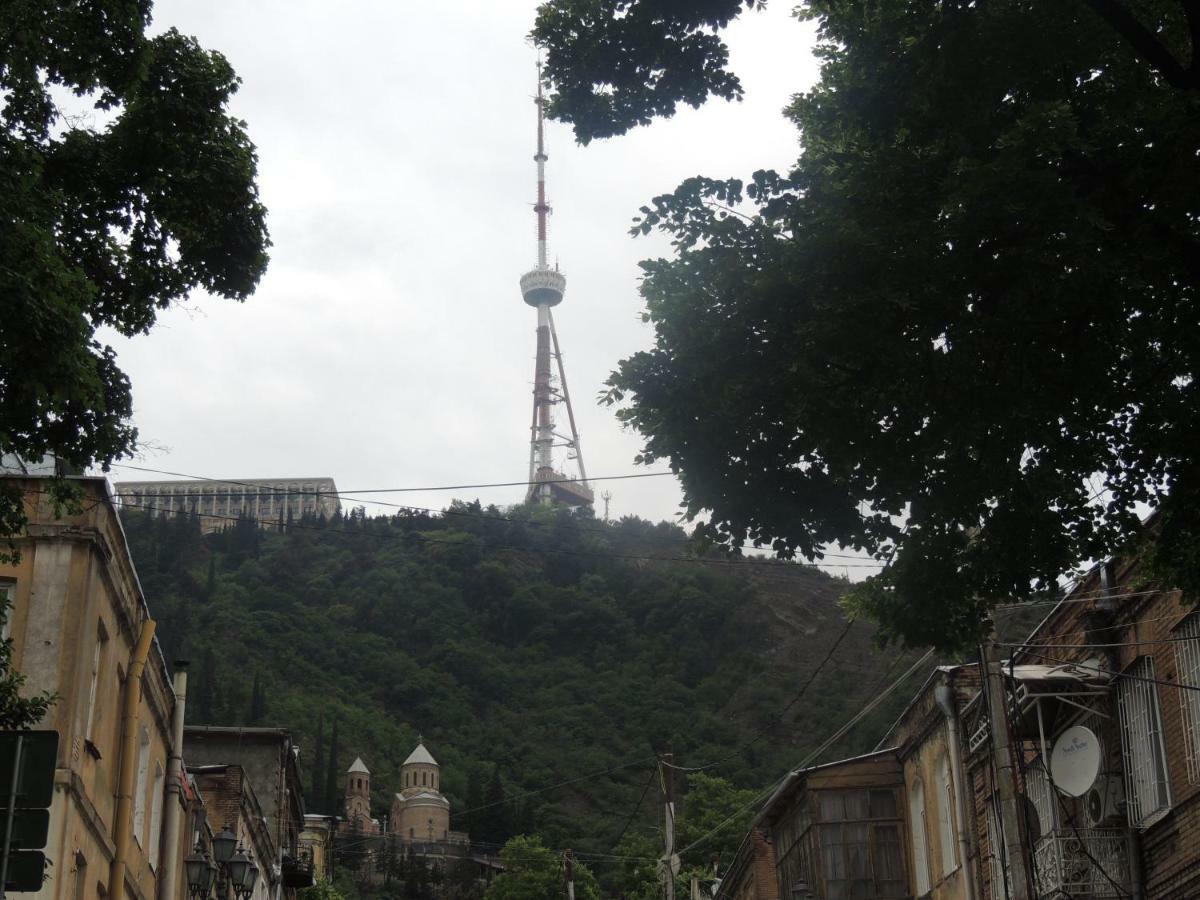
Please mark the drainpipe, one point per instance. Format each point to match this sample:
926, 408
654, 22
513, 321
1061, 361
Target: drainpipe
944, 697
123, 819
174, 817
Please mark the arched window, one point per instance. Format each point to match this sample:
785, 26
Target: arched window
920, 836
423, 774
946, 816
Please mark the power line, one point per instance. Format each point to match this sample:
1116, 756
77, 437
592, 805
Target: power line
399, 490
811, 757
597, 774
1182, 640
272, 491
637, 807
563, 550
796, 699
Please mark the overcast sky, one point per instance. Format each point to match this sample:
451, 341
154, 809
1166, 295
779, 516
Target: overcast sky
387, 345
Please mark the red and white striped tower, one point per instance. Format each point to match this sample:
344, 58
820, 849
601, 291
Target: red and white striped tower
543, 289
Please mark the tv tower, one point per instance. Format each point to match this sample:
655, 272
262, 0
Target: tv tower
543, 289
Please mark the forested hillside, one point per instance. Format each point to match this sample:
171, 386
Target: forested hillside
529, 648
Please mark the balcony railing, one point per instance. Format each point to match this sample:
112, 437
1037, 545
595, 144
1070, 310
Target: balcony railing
1087, 866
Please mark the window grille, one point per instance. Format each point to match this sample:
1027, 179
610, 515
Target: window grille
1147, 788
1187, 663
1042, 796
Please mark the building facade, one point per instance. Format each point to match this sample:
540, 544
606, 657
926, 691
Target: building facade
420, 812
268, 760
1070, 768
221, 503
81, 629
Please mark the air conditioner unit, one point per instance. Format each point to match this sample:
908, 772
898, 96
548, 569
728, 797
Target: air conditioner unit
1105, 801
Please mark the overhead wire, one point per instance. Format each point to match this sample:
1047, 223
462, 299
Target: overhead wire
423, 538
796, 699
813, 755
406, 490
272, 491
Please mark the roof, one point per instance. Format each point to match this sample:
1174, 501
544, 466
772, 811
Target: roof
420, 756
359, 766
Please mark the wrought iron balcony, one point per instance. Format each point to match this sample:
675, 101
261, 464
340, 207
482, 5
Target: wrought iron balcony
1090, 865
298, 872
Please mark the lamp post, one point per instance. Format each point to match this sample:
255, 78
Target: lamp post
201, 872
230, 867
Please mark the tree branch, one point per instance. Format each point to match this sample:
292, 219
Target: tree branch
1148, 47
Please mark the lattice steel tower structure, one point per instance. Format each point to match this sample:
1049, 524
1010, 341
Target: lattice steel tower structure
542, 288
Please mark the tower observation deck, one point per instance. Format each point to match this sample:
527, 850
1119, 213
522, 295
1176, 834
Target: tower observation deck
543, 288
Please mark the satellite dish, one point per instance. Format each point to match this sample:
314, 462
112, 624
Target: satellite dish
1075, 760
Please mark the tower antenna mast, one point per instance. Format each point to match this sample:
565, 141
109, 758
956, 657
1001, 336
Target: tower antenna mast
543, 288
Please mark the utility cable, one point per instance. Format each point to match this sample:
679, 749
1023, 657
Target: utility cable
422, 538
815, 754
637, 807
399, 490
271, 491
796, 699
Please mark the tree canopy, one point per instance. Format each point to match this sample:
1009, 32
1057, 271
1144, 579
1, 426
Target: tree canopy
542, 654
124, 185
961, 333
534, 872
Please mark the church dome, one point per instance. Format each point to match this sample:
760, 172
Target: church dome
420, 757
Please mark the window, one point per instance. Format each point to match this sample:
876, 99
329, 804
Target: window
156, 811
946, 816
920, 836
423, 774
97, 661
139, 796
1149, 792
860, 856
7, 599
1187, 663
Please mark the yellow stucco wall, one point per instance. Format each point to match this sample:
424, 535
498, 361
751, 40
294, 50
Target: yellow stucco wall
76, 615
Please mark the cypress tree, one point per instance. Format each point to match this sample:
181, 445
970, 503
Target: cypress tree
206, 693
331, 774
494, 820
258, 700
315, 789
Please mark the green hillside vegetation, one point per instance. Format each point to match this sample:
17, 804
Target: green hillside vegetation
529, 648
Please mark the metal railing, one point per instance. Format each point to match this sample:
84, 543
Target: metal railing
1086, 866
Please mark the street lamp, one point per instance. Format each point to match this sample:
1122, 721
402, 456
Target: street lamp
241, 873
201, 872
223, 844
248, 881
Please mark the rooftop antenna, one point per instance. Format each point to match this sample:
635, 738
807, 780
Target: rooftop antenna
542, 288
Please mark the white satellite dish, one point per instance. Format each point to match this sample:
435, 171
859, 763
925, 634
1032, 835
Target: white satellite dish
1076, 760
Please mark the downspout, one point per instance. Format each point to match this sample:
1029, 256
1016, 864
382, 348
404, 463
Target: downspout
123, 819
174, 818
944, 697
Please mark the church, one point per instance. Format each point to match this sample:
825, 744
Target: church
419, 817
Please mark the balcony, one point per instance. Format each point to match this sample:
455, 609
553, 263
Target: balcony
298, 873
1088, 866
